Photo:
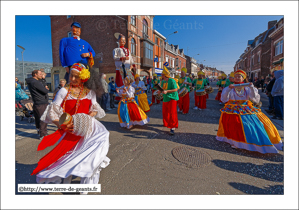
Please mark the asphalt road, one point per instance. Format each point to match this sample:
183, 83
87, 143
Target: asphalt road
143, 162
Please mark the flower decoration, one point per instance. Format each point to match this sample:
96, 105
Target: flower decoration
84, 75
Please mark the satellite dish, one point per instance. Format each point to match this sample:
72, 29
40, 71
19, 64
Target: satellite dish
116, 35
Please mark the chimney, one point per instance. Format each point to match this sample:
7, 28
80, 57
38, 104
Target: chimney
271, 23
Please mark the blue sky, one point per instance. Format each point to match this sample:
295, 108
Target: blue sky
219, 40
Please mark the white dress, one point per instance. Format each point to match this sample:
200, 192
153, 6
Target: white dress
249, 93
88, 157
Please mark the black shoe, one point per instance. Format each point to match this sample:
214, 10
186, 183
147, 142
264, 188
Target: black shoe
171, 132
268, 110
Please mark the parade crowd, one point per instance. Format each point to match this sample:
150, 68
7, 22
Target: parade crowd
81, 99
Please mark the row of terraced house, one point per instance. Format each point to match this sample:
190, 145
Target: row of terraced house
264, 53
149, 48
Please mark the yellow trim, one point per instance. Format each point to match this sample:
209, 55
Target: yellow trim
118, 113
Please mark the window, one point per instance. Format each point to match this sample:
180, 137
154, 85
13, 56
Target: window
173, 63
166, 58
252, 60
133, 20
180, 64
259, 58
148, 50
279, 47
68, 16
133, 46
144, 27
69, 34
156, 62
177, 62
157, 43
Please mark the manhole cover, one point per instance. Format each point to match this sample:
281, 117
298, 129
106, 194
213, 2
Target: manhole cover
193, 158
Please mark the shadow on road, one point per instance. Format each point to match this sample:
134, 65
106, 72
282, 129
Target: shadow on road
267, 171
250, 189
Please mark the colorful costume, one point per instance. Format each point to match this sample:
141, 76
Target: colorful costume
169, 108
184, 102
129, 113
80, 155
200, 101
154, 82
228, 82
221, 84
244, 126
122, 67
140, 95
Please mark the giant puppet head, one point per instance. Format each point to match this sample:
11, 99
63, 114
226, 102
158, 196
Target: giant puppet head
76, 29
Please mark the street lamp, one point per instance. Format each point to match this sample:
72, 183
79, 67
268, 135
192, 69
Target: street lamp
170, 34
23, 63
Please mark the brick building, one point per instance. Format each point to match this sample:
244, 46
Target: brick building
99, 32
255, 60
175, 57
158, 52
276, 36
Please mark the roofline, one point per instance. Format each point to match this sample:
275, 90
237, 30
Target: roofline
156, 32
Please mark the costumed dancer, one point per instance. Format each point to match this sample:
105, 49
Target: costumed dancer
241, 124
207, 83
199, 84
221, 84
129, 113
84, 142
184, 82
170, 98
154, 82
123, 62
140, 95
230, 79
75, 50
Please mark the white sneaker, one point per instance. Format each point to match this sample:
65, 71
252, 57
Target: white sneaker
199, 108
195, 108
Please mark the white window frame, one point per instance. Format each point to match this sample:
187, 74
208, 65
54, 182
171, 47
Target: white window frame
278, 46
173, 63
166, 58
156, 62
259, 57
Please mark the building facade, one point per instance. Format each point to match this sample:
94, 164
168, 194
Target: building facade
276, 36
175, 58
158, 52
192, 67
255, 60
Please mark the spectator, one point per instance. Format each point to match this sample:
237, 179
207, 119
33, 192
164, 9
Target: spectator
17, 80
62, 83
262, 83
269, 87
112, 92
257, 83
39, 95
104, 98
149, 82
277, 93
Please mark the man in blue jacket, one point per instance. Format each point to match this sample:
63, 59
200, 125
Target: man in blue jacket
75, 50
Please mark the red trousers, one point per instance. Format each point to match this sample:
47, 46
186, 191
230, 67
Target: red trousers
170, 114
207, 96
184, 103
154, 99
119, 83
218, 96
200, 101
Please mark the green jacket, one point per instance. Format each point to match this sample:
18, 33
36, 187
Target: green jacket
181, 83
199, 84
155, 81
170, 85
